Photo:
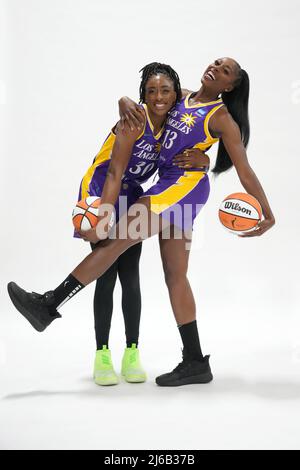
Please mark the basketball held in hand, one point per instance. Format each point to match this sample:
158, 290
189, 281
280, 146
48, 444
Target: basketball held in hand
240, 212
85, 213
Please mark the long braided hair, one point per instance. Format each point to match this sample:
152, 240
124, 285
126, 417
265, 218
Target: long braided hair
154, 69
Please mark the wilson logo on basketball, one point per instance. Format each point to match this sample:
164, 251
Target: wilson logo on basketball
240, 212
237, 207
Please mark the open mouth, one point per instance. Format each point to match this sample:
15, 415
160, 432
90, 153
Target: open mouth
160, 105
209, 75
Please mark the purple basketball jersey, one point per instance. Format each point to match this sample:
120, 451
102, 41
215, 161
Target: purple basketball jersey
187, 127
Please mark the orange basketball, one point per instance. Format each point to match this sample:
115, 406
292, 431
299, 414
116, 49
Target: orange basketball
240, 212
85, 213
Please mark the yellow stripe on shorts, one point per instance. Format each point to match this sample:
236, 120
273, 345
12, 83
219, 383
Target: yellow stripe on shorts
172, 195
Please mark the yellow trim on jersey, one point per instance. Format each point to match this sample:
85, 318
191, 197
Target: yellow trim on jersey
209, 137
170, 196
199, 105
159, 134
103, 155
202, 145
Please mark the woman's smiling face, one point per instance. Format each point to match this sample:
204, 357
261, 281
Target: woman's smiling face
221, 75
160, 95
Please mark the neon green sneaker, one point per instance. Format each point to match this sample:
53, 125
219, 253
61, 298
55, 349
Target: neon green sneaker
104, 373
132, 369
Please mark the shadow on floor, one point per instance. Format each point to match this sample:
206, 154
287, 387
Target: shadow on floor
268, 389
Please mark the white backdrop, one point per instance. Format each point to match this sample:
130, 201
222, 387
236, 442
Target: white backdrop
64, 64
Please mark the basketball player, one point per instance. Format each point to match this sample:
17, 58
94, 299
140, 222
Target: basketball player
143, 149
218, 110
145, 145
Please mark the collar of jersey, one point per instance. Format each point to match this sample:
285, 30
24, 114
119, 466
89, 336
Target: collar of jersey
199, 105
159, 134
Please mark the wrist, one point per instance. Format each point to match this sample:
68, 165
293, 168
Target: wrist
269, 216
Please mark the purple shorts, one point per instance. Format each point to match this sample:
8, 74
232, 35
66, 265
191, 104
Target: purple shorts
128, 195
179, 196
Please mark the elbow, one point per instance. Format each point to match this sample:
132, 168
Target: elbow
122, 99
113, 175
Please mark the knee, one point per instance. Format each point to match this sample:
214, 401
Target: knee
122, 244
130, 281
105, 284
173, 278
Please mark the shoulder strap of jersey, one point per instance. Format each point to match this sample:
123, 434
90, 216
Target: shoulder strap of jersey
209, 137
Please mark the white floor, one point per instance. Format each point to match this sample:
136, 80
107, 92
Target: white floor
49, 401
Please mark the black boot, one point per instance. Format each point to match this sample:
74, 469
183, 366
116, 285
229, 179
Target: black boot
189, 371
38, 309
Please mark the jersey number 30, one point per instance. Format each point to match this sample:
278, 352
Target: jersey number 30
140, 168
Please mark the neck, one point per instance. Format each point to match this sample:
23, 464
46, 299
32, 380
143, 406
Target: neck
204, 95
157, 121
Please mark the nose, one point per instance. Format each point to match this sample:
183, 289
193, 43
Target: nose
159, 96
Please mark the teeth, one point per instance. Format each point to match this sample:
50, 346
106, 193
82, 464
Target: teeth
210, 75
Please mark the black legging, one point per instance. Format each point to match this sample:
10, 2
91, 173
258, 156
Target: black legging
127, 267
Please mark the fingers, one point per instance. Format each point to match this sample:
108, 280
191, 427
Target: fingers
181, 158
193, 151
183, 164
183, 161
86, 235
140, 116
83, 236
254, 233
135, 123
191, 158
133, 119
140, 111
128, 119
122, 122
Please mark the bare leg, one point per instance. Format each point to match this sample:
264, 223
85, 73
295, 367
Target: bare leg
175, 259
96, 263
194, 368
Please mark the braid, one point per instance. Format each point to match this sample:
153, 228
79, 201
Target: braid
154, 69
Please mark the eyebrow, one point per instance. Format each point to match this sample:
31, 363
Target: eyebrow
153, 87
228, 66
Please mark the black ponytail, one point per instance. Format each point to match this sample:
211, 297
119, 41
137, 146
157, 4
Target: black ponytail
236, 102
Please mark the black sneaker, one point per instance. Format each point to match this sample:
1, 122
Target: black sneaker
189, 371
36, 308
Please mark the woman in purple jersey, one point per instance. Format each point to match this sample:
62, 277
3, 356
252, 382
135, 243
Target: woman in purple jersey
110, 174
215, 118
145, 144
114, 174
